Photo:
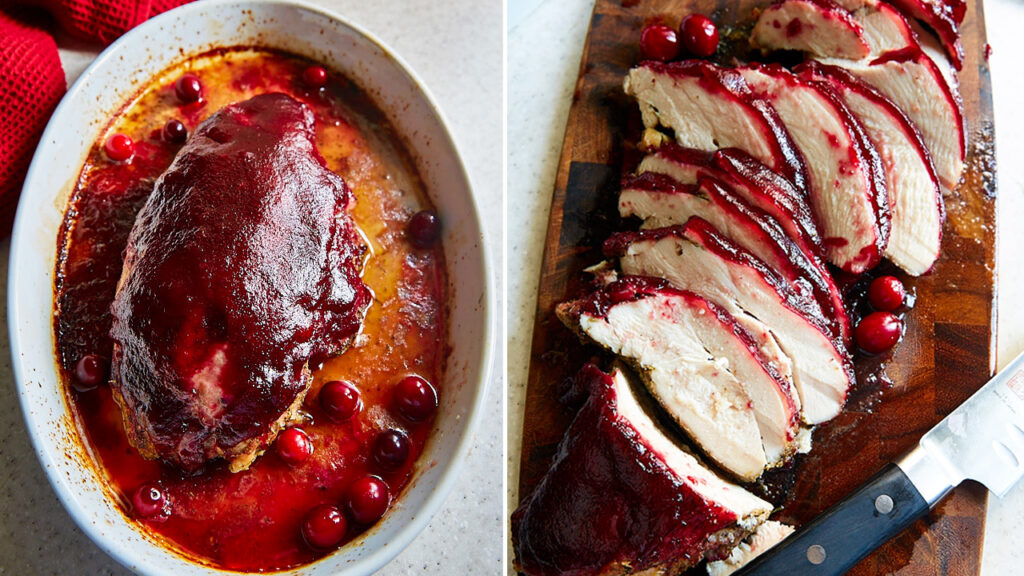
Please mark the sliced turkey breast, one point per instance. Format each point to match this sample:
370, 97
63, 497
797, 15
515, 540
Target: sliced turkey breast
914, 83
662, 201
915, 199
833, 29
697, 258
944, 17
847, 184
711, 107
908, 69
876, 25
701, 366
885, 27
815, 26
622, 498
758, 184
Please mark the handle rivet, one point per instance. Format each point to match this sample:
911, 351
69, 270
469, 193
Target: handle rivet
883, 504
816, 554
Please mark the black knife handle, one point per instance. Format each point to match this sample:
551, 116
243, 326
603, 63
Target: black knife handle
834, 542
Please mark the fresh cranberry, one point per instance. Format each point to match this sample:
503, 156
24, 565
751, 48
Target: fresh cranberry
294, 446
886, 293
91, 370
424, 228
119, 147
175, 132
878, 332
659, 42
149, 501
415, 398
368, 499
699, 35
340, 400
188, 89
324, 527
314, 76
392, 449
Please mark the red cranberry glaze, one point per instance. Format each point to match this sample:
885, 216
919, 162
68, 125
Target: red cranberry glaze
368, 499
621, 292
659, 42
340, 400
294, 446
175, 132
314, 77
91, 370
878, 332
324, 527
699, 35
391, 450
632, 505
424, 228
188, 89
149, 501
243, 261
415, 398
886, 293
211, 518
119, 147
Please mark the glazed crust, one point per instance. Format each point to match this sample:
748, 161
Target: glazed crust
242, 269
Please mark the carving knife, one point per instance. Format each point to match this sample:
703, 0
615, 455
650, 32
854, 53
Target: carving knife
982, 440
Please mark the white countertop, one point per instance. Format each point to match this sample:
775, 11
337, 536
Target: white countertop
455, 47
545, 44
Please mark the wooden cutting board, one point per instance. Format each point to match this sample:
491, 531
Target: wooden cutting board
948, 351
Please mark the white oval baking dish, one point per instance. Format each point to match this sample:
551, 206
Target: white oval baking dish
115, 76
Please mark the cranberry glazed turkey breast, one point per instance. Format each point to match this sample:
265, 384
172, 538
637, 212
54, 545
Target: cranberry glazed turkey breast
622, 497
242, 269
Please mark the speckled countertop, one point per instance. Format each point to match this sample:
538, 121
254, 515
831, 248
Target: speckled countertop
456, 48
545, 43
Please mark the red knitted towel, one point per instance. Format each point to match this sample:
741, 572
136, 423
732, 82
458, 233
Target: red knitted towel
32, 79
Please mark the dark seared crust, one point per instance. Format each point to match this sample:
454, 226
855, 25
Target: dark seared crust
690, 156
943, 18
839, 78
865, 155
729, 83
763, 235
610, 505
718, 544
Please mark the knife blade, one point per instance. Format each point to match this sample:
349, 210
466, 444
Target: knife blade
981, 440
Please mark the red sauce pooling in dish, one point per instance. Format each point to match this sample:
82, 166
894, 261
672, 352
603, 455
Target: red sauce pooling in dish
255, 520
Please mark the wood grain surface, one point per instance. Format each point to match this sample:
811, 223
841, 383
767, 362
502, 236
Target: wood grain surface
948, 351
